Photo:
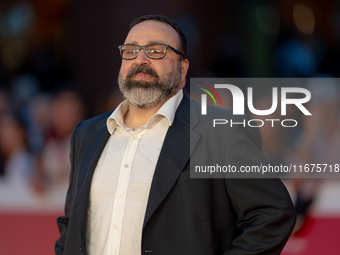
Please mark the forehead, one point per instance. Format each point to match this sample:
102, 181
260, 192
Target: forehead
153, 31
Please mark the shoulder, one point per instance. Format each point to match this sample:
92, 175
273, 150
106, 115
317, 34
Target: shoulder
214, 112
95, 120
92, 125
218, 118
221, 123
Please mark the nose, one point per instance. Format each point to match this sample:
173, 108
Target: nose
142, 58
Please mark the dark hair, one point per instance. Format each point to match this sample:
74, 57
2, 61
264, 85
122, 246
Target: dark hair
166, 20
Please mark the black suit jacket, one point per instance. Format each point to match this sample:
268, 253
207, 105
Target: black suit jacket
187, 216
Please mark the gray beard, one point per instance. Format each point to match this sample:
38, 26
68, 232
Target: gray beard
143, 94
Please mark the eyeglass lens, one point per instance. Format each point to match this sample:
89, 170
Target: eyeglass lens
152, 51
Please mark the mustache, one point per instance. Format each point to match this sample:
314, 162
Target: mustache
142, 69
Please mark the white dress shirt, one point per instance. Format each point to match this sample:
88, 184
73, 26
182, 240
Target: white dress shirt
122, 180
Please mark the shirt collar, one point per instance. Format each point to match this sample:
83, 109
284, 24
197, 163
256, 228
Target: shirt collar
168, 110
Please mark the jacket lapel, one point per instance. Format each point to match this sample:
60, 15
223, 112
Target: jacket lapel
98, 141
173, 157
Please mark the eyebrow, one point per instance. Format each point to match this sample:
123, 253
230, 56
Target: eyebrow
134, 42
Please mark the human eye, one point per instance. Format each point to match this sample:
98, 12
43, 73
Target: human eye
130, 51
156, 50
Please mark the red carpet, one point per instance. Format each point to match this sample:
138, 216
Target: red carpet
320, 236
36, 235
28, 234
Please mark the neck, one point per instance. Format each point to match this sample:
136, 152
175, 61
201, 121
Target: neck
136, 117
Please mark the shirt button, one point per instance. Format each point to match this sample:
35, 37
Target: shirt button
115, 227
126, 165
135, 137
120, 195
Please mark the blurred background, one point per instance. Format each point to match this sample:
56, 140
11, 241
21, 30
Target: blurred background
59, 63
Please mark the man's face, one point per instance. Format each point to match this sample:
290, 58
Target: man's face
145, 82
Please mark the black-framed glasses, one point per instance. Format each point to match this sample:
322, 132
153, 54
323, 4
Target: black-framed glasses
152, 50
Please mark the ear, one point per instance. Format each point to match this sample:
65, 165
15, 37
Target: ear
184, 70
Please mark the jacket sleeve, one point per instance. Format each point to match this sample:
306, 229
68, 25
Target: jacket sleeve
62, 221
264, 213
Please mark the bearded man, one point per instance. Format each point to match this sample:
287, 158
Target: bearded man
130, 190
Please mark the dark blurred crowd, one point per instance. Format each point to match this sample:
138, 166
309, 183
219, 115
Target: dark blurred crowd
46, 44
35, 132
